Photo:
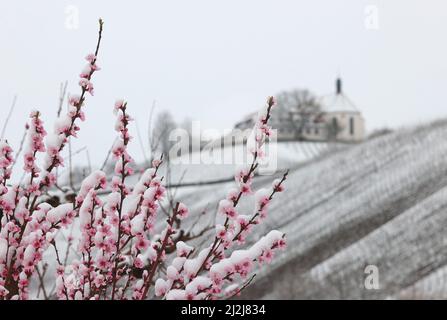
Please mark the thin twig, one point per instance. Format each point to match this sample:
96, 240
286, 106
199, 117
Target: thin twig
70, 165
22, 142
246, 284
77, 152
41, 281
11, 109
88, 160
149, 131
108, 155
140, 140
62, 92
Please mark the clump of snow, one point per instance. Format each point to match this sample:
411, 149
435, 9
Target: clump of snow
183, 249
56, 214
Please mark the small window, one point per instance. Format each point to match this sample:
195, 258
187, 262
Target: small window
316, 130
334, 122
351, 126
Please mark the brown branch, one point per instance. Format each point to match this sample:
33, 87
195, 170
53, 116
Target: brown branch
253, 218
164, 243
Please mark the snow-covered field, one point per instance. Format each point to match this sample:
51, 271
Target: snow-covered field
288, 155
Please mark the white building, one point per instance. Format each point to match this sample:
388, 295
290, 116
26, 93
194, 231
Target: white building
340, 120
344, 121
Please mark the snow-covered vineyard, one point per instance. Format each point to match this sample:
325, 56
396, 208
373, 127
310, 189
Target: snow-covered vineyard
382, 203
190, 169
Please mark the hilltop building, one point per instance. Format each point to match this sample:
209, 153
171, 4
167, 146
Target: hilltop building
339, 120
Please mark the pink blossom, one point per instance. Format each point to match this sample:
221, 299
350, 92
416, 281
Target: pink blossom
161, 287
156, 163
182, 211
183, 250
142, 244
245, 188
86, 71
226, 208
277, 185
221, 232
119, 103
138, 263
90, 58
87, 85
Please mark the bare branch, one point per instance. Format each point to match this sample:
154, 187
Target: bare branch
62, 93
11, 109
22, 142
140, 140
108, 155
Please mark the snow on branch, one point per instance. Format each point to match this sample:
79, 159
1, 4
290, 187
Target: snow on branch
120, 253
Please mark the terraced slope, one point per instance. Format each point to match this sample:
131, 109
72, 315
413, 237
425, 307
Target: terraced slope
383, 202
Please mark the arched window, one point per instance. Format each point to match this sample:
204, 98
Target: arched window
333, 129
334, 122
351, 126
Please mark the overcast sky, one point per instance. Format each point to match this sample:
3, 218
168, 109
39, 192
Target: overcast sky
215, 61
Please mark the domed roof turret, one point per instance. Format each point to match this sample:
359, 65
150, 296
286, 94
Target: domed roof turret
337, 102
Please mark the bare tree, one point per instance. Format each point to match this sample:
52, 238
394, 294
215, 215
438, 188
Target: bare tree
297, 108
164, 124
194, 143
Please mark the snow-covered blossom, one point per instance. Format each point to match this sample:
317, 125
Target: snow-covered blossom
34, 144
95, 180
277, 185
262, 197
183, 250
59, 213
6, 161
161, 287
227, 208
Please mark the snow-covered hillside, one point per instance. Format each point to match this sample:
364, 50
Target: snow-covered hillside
382, 202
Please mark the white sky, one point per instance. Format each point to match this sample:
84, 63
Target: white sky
215, 61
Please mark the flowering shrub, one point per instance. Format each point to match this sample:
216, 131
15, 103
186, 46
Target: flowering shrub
121, 256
